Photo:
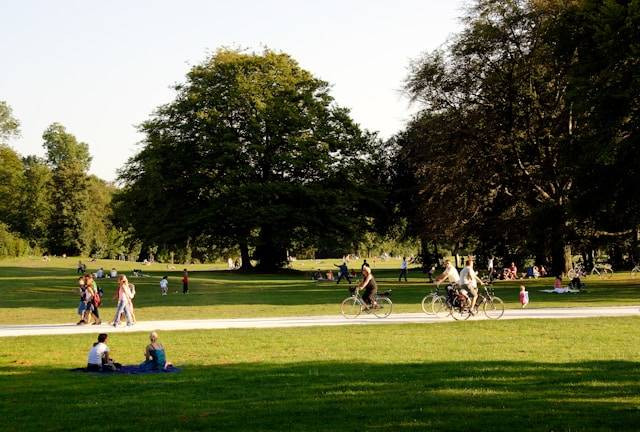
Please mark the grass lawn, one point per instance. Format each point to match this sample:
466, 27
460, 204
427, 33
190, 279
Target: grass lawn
537, 375
32, 291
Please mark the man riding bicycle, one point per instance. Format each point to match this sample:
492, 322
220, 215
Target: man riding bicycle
449, 273
469, 279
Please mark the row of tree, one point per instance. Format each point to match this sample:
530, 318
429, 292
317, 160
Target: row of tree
527, 140
51, 204
525, 145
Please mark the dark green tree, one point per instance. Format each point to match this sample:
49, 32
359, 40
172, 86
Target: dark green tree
69, 161
253, 152
514, 123
35, 200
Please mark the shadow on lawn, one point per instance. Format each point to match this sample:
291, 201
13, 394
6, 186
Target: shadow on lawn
337, 396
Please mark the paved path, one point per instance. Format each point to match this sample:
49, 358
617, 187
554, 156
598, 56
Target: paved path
308, 321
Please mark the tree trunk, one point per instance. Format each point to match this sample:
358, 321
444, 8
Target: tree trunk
270, 253
244, 256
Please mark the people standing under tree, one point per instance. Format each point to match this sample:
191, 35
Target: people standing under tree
403, 270
343, 272
185, 282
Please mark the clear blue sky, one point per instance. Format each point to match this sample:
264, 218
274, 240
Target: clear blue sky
100, 68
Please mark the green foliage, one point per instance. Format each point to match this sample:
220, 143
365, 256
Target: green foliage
11, 178
35, 200
9, 125
69, 161
11, 245
516, 132
252, 153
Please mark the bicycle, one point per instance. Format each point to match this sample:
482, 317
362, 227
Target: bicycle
353, 306
605, 271
427, 301
458, 305
635, 271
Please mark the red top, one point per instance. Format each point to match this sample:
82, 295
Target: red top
185, 279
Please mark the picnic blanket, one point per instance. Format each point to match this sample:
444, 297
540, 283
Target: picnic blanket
131, 370
570, 291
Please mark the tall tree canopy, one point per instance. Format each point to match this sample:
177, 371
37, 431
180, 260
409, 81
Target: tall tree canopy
69, 161
253, 152
515, 122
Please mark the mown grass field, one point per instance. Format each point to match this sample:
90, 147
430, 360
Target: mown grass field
33, 291
528, 375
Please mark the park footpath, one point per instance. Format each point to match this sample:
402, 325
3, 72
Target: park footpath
310, 321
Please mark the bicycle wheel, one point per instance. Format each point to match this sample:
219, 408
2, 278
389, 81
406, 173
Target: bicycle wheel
439, 307
384, 307
350, 307
493, 308
426, 304
460, 313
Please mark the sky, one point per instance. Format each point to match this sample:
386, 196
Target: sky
101, 68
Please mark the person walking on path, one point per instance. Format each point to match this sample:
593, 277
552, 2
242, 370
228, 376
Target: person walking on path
403, 270
185, 282
124, 302
343, 272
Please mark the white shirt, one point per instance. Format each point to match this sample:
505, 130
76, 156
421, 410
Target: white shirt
452, 274
403, 266
468, 277
164, 283
95, 355
490, 265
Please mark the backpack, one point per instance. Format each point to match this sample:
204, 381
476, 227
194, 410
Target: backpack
97, 300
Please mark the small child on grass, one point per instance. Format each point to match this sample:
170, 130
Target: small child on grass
524, 296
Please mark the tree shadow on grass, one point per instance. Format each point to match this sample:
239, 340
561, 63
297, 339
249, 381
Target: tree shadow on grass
445, 396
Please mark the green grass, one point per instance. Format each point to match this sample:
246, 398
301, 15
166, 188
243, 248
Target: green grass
528, 375
32, 291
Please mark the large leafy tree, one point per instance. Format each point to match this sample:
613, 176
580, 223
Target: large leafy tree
35, 200
69, 161
253, 152
10, 168
506, 130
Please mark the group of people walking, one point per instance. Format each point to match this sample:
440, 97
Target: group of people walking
91, 298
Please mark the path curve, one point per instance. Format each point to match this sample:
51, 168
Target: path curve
308, 321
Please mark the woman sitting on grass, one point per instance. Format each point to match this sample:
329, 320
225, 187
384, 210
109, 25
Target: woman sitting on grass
155, 357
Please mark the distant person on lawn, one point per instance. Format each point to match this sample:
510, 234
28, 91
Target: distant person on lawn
164, 285
185, 282
403, 270
155, 355
99, 359
343, 272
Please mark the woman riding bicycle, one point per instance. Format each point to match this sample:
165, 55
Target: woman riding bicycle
370, 287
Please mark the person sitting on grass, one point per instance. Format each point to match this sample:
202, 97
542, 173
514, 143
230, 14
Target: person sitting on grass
99, 360
155, 356
557, 286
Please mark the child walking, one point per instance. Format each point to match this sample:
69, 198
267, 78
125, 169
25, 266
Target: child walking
164, 285
524, 296
185, 282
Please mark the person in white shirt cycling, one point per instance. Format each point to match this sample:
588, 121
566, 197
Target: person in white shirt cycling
469, 279
450, 273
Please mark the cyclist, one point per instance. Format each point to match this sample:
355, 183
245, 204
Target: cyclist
469, 279
370, 287
450, 273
